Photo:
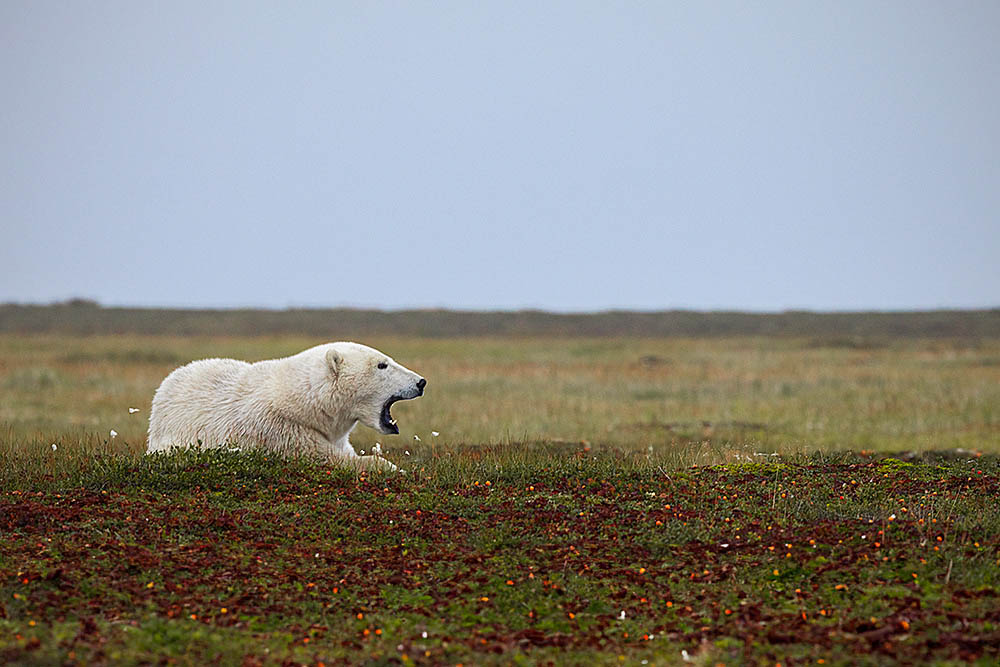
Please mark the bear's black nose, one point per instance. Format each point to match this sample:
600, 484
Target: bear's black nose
421, 383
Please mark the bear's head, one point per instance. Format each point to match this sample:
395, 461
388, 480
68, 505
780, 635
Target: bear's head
371, 382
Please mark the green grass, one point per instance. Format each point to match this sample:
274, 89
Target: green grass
572, 480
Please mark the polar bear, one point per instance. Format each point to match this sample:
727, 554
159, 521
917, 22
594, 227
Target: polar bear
307, 403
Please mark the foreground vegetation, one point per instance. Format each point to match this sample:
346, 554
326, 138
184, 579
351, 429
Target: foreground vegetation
499, 556
574, 500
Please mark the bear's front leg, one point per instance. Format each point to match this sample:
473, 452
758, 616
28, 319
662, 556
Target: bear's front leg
374, 463
359, 463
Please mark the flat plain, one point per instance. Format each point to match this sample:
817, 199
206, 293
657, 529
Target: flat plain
567, 499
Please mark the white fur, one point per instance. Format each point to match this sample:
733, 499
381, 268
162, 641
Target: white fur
306, 403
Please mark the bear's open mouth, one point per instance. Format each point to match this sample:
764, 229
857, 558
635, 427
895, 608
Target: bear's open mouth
386, 421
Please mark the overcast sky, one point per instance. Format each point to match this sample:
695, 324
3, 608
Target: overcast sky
568, 156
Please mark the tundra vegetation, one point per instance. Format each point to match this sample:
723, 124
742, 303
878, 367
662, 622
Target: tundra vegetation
586, 500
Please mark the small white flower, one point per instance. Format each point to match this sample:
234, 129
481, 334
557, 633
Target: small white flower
54, 448
362, 452
377, 449
417, 438
724, 546
685, 656
435, 433
621, 616
316, 555
424, 634
407, 452
132, 411
114, 433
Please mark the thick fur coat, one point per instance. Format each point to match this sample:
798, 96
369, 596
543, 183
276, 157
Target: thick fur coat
307, 403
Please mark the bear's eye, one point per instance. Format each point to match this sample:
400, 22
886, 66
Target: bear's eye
383, 365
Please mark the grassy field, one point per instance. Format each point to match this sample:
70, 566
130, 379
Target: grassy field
586, 500
700, 400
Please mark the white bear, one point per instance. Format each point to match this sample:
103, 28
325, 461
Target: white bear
307, 403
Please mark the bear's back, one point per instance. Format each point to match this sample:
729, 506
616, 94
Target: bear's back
196, 402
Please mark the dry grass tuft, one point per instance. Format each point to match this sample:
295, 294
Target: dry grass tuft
696, 401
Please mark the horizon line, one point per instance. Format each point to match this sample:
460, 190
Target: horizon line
93, 303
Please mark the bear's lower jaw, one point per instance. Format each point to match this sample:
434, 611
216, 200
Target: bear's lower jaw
385, 421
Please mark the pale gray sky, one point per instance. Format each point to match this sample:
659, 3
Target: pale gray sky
564, 155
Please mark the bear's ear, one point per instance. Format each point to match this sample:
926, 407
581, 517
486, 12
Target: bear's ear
333, 360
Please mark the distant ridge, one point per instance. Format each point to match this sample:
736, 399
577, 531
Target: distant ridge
86, 317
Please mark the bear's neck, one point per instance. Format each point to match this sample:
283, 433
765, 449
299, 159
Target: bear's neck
341, 441
314, 406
